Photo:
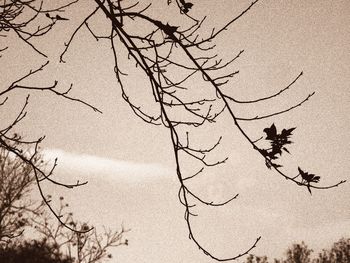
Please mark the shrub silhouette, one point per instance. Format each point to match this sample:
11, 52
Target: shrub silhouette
32, 252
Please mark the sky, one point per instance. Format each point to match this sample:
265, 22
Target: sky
130, 164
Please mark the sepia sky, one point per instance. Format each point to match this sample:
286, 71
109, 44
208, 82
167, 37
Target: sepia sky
130, 164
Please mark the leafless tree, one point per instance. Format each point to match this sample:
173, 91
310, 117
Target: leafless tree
301, 253
174, 57
340, 252
19, 213
16, 209
80, 246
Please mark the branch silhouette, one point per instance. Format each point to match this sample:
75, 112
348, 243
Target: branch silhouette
185, 77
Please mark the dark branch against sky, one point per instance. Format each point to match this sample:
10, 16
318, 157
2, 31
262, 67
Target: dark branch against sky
311, 47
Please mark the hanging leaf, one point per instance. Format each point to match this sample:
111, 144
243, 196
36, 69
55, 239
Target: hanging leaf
271, 132
277, 141
169, 30
186, 7
310, 178
276, 165
286, 133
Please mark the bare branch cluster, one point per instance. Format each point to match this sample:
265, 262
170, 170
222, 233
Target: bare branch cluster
186, 79
28, 19
28, 151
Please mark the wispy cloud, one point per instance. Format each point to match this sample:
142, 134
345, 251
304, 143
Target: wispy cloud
96, 166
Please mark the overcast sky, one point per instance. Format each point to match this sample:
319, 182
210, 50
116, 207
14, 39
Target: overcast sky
130, 165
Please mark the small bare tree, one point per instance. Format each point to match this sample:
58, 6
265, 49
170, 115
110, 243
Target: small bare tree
301, 253
18, 212
79, 246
